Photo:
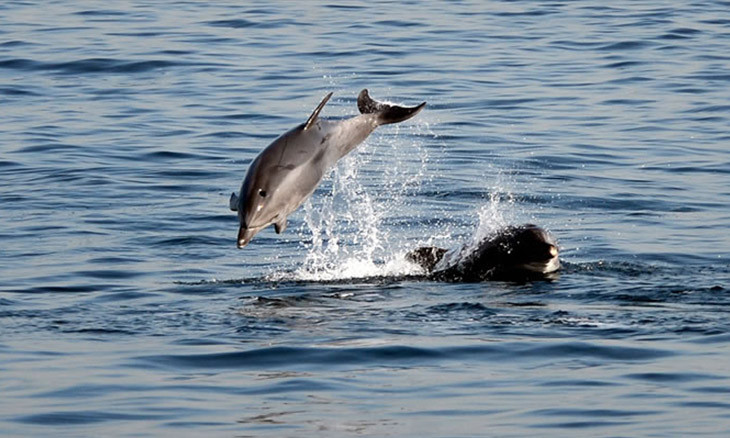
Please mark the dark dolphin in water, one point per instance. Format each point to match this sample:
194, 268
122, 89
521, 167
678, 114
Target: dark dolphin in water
524, 252
286, 173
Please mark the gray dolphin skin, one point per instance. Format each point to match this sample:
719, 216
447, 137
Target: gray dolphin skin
513, 253
286, 173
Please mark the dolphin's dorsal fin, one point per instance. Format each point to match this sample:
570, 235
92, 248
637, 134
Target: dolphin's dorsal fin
315, 114
233, 202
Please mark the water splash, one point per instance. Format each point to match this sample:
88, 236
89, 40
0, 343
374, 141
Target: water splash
491, 216
495, 214
348, 223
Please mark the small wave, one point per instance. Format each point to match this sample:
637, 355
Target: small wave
90, 65
17, 91
100, 13
248, 24
82, 417
624, 46
296, 357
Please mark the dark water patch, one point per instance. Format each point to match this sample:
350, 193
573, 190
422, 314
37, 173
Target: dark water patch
447, 309
710, 168
17, 91
250, 24
6, 164
627, 102
536, 12
722, 390
67, 289
507, 104
16, 43
582, 424
114, 260
524, 304
629, 202
101, 13
576, 45
165, 155
49, 147
639, 299
718, 338
63, 29
175, 52
91, 65
89, 390
232, 281
624, 64
225, 134
292, 357
199, 342
130, 295
685, 32
591, 413
68, 418
572, 383
709, 109
101, 331
248, 116
672, 377
143, 34
109, 274
398, 23
720, 21
344, 7
623, 46
631, 80
288, 357
184, 173
723, 406
719, 77
183, 241
289, 301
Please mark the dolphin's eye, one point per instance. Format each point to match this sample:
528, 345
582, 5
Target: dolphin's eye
262, 193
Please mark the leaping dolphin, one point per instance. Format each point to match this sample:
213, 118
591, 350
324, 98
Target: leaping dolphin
286, 173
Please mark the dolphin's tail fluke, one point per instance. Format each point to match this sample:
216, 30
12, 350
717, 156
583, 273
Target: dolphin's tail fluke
386, 113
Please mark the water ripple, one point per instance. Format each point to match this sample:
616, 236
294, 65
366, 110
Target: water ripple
124, 302
293, 358
92, 65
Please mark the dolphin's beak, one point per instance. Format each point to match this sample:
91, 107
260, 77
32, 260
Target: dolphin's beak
245, 235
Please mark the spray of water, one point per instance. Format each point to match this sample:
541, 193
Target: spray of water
347, 224
357, 223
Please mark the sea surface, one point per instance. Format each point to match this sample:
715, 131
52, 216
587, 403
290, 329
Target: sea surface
126, 309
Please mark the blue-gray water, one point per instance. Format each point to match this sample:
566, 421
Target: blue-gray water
126, 309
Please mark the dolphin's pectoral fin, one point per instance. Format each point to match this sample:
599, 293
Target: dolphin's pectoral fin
280, 225
386, 113
315, 114
233, 202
